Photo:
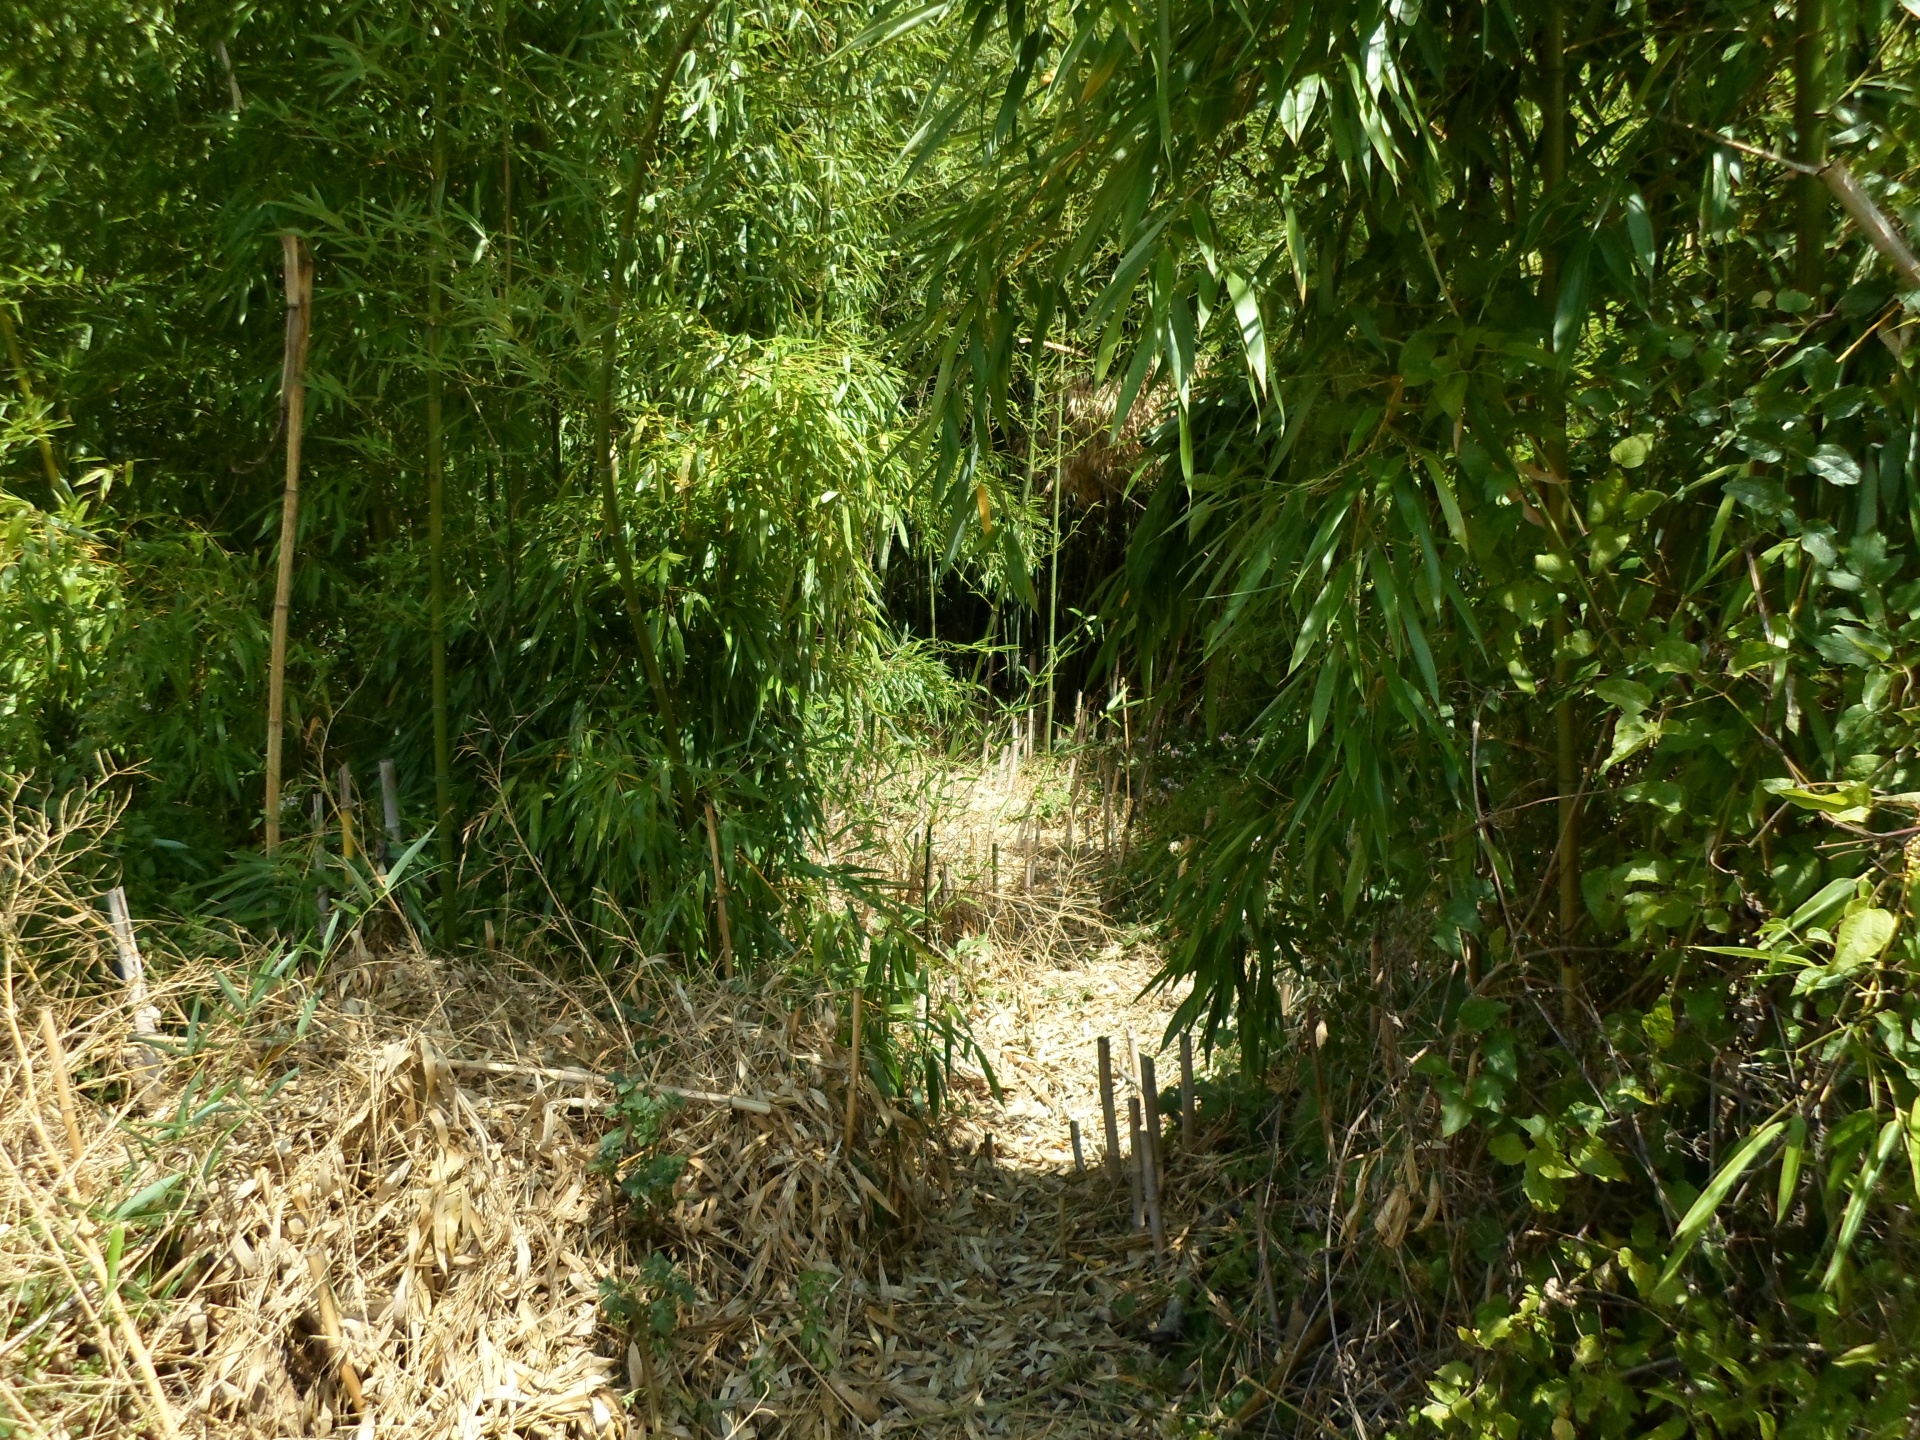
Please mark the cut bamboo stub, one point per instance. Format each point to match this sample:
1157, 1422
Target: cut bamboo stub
1079, 1158
1107, 1114
293, 393
348, 847
390, 804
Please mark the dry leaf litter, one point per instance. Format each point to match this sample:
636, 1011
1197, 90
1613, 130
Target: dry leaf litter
362, 1203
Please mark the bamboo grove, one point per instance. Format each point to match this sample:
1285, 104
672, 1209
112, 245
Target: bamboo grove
1515, 461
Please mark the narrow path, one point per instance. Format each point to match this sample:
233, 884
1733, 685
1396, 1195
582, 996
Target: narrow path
1028, 1306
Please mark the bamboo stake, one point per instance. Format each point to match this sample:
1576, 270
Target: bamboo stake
1137, 1160
1186, 1090
133, 970
57, 1057
1150, 1161
293, 398
1150, 1102
720, 899
1107, 1116
1079, 1157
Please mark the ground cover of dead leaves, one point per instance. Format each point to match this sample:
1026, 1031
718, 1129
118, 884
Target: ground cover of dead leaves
359, 1201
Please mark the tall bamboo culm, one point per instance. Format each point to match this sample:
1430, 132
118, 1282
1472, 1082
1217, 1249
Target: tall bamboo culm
436, 549
293, 390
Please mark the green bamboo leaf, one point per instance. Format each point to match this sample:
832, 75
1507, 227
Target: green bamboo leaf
1913, 1144
1791, 1156
1863, 1187
1253, 334
1694, 1223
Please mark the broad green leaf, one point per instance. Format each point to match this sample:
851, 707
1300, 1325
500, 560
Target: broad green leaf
1629, 697
1852, 803
1631, 735
1834, 465
1632, 452
1863, 936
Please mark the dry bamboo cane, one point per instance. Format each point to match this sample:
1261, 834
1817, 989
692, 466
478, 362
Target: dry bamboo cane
1107, 1115
293, 391
62, 1089
331, 1330
1079, 1157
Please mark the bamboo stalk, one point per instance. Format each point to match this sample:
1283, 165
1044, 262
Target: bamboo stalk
1107, 1115
1809, 141
349, 847
603, 414
25, 381
1053, 581
720, 896
1187, 1121
1079, 1157
436, 544
293, 398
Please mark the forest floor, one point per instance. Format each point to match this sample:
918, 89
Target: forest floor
367, 1202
